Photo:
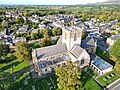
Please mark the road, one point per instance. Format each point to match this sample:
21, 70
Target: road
38, 40
115, 85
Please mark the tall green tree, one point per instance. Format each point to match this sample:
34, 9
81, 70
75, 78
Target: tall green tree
5, 80
68, 76
19, 20
34, 36
46, 41
22, 50
57, 31
4, 50
115, 49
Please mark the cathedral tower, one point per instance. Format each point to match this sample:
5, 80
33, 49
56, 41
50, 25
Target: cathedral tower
71, 37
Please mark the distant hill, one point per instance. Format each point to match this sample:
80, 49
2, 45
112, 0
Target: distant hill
110, 2
106, 2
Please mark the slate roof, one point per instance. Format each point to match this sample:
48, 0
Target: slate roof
88, 43
51, 50
76, 50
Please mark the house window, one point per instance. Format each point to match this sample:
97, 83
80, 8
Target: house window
75, 37
82, 61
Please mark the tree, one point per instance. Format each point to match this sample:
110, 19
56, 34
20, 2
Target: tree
68, 76
46, 41
19, 20
5, 80
4, 50
119, 31
4, 24
43, 31
34, 36
113, 33
115, 49
57, 31
22, 50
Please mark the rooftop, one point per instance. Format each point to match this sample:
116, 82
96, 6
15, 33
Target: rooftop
51, 50
100, 63
76, 51
87, 43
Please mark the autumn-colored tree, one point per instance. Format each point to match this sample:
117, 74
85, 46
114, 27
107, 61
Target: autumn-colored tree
22, 50
5, 80
4, 50
57, 31
46, 41
68, 76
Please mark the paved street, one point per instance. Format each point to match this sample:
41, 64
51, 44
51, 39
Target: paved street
115, 85
39, 40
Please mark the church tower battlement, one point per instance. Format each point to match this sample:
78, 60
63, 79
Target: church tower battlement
71, 36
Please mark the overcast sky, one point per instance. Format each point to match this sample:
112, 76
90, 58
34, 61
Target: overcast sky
49, 2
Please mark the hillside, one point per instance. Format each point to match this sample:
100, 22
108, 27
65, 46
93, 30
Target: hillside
111, 2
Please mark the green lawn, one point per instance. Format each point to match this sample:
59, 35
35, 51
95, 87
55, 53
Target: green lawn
14, 66
35, 45
19, 82
44, 84
88, 83
89, 70
105, 83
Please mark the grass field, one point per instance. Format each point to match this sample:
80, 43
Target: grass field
51, 82
105, 83
44, 84
14, 66
88, 83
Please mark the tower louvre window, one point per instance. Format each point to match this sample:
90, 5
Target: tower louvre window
75, 37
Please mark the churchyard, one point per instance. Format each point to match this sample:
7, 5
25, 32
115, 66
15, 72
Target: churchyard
24, 79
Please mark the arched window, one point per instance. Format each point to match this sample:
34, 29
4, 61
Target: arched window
75, 37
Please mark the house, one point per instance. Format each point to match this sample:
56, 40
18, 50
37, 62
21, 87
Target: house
89, 45
110, 41
47, 58
77, 21
18, 39
23, 29
7, 32
99, 65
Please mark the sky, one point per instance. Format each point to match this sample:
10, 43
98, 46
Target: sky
48, 2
